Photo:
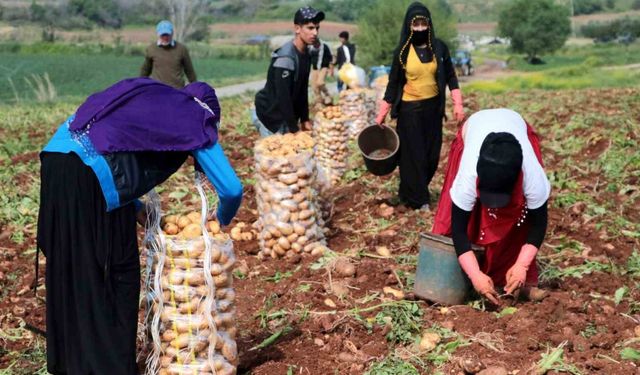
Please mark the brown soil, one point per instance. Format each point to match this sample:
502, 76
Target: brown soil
593, 327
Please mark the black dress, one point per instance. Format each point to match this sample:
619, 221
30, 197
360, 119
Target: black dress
93, 272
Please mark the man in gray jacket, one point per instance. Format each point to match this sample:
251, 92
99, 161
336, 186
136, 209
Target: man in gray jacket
283, 103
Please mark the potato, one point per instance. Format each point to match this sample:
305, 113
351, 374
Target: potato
195, 217
181, 341
189, 307
191, 231
236, 234
213, 227
169, 335
183, 221
305, 214
344, 267
170, 229
221, 280
285, 228
173, 219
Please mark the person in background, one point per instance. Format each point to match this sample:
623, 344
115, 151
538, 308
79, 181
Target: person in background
167, 60
495, 195
421, 70
119, 144
346, 53
283, 103
320, 61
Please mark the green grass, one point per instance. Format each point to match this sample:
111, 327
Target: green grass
80, 75
560, 79
570, 68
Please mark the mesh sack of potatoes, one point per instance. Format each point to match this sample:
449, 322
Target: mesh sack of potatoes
353, 106
286, 193
193, 311
379, 85
370, 104
331, 152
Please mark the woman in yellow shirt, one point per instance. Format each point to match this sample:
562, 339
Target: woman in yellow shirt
415, 95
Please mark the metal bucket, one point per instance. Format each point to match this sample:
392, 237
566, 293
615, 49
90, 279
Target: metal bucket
375, 138
439, 277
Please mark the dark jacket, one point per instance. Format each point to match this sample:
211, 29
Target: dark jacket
445, 73
326, 59
341, 58
284, 97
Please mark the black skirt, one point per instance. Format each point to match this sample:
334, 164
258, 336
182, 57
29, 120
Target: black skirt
420, 132
93, 272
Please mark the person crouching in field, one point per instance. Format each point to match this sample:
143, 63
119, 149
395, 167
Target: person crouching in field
495, 195
119, 144
283, 103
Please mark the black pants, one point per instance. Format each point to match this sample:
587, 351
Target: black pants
93, 272
420, 132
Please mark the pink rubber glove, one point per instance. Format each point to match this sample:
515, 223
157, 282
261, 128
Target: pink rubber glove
383, 110
517, 274
458, 109
481, 282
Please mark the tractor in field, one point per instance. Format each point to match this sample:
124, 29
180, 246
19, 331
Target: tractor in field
462, 62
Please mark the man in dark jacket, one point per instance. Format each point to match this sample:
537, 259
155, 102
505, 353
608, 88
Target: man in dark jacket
284, 102
346, 53
166, 60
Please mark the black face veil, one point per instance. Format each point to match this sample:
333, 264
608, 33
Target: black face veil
416, 10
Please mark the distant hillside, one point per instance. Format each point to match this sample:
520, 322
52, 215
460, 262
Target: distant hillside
488, 10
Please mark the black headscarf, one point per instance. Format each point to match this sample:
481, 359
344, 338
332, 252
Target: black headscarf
415, 10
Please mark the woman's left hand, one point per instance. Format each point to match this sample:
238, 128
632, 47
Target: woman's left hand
516, 276
458, 109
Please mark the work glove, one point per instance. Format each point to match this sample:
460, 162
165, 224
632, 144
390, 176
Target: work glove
458, 109
517, 274
481, 282
383, 110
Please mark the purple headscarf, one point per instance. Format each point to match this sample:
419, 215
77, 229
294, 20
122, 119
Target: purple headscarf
141, 114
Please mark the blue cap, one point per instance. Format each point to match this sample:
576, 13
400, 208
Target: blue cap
164, 27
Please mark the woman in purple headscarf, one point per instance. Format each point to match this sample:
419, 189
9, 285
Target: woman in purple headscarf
119, 144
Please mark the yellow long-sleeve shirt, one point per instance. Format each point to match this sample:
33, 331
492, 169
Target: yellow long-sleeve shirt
421, 78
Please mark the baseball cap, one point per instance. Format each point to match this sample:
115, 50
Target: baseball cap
307, 14
164, 27
499, 166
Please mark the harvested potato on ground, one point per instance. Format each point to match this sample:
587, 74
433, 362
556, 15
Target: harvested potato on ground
344, 267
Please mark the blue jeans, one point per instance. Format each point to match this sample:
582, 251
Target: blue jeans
263, 130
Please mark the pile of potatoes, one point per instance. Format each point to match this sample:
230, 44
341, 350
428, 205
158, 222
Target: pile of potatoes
331, 152
354, 107
286, 193
194, 300
371, 105
243, 232
189, 226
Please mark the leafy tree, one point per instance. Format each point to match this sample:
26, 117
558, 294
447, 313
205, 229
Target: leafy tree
535, 27
379, 28
587, 6
102, 12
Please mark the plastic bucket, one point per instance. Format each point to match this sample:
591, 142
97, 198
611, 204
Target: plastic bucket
379, 147
439, 277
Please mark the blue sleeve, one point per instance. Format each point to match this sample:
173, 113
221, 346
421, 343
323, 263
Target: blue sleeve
224, 180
